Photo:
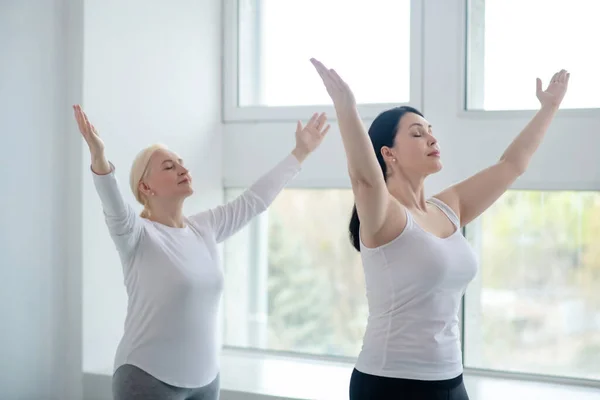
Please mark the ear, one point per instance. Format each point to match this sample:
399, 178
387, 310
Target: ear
145, 189
388, 154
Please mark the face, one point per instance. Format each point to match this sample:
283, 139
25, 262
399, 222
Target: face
415, 149
166, 177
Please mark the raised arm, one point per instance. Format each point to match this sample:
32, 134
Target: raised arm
471, 197
124, 225
227, 219
368, 185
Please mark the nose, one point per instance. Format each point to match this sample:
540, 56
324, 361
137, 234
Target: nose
183, 170
432, 140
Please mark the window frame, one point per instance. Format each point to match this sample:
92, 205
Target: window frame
451, 110
469, 89
463, 312
233, 113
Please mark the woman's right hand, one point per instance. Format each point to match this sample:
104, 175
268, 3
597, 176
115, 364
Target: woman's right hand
89, 132
338, 90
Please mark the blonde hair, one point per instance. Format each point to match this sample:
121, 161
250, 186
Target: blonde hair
139, 170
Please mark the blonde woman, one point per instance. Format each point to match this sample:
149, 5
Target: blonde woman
169, 349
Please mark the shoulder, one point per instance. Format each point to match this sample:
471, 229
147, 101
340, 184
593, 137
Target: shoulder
200, 223
447, 200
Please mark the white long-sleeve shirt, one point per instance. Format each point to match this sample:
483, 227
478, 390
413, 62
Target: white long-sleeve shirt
174, 279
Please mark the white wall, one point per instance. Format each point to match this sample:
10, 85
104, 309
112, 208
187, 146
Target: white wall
151, 73
567, 159
40, 353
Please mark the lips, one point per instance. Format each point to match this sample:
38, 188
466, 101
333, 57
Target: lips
434, 154
186, 180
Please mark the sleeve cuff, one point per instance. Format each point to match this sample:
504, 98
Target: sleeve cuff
291, 160
96, 175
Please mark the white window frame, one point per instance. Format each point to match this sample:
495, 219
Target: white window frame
470, 90
258, 236
233, 113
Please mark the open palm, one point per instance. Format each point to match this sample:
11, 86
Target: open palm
338, 90
88, 131
309, 137
557, 88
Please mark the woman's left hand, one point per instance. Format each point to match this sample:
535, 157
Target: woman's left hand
309, 137
554, 94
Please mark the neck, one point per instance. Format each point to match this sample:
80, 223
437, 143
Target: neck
168, 213
409, 191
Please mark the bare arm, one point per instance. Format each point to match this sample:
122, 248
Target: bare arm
471, 197
370, 191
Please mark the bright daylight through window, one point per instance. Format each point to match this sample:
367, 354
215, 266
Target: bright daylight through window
277, 38
507, 50
295, 284
535, 306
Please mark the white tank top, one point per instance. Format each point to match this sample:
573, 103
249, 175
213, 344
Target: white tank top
414, 288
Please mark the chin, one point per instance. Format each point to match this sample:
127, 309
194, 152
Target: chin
436, 167
188, 191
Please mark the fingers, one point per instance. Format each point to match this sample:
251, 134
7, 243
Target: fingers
321, 121
538, 85
326, 75
313, 120
80, 120
319, 66
320, 69
85, 127
564, 77
337, 79
87, 123
315, 124
76, 113
317, 121
561, 76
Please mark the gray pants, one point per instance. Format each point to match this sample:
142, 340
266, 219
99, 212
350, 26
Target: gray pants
132, 383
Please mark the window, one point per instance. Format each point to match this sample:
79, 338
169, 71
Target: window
295, 284
511, 42
535, 306
293, 281
374, 45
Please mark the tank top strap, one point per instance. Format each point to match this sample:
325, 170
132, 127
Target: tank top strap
446, 209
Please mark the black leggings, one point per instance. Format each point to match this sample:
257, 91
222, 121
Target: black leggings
371, 387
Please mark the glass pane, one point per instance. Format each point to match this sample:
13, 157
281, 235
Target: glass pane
512, 42
535, 306
306, 293
368, 43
